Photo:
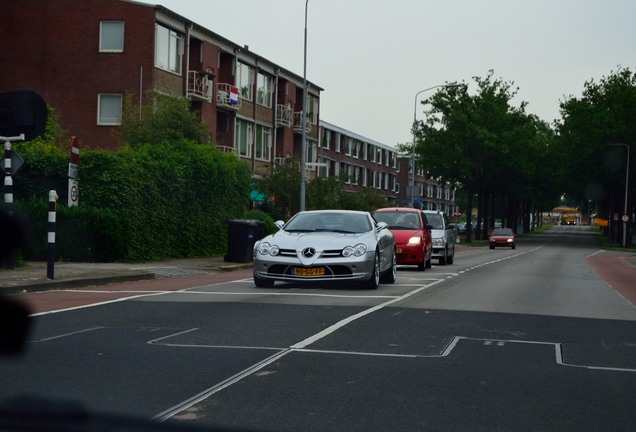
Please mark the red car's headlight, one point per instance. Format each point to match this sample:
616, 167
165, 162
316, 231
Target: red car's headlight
414, 241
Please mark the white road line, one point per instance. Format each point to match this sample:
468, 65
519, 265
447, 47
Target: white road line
68, 334
284, 294
558, 352
101, 303
344, 322
169, 413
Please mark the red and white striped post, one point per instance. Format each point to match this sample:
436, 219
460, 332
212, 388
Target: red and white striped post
73, 191
50, 264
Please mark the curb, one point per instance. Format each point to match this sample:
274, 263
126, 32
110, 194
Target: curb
50, 285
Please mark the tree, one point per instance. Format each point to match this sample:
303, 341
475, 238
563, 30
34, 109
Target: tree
163, 119
603, 115
283, 186
484, 144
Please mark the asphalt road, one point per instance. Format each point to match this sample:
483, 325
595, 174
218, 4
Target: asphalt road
525, 340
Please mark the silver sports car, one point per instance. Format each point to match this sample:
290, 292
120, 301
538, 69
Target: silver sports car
327, 245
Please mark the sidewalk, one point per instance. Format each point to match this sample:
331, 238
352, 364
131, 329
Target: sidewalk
33, 275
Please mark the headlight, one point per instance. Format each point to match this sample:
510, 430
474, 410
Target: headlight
357, 250
414, 241
438, 241
267, 249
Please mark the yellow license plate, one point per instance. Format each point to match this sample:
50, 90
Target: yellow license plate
316, 271
398, 250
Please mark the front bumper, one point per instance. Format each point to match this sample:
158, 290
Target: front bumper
501, 243
439, 251
342, 269
409, 254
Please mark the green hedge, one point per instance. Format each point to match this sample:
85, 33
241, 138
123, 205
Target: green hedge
141, 204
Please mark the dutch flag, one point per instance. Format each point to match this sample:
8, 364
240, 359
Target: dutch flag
234, 95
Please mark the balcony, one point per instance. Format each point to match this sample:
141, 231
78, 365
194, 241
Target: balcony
199, 86
227, 96
297, 125
227, 149
283, 115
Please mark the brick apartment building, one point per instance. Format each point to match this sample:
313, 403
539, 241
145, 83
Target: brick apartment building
85, 56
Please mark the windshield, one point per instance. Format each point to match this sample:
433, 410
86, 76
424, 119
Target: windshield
398, 220
502, 232
435, 220
327, 221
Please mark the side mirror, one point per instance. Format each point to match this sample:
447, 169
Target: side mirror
279, 224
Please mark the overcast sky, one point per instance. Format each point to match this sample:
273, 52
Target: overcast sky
372, 57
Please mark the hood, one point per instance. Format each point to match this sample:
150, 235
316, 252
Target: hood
319, 240
437, 233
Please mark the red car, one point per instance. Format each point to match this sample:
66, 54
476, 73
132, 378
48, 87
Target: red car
412, 234
502, 237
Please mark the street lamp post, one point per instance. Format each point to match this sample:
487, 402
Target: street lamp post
303, 123
414, 124
625, 216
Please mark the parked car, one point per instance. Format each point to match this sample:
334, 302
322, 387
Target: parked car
327, 245
502, 237
444, 236
461, 227
412, 232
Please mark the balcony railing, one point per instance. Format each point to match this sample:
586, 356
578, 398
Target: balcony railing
228, 149
298, 126
227, 96
199, 86
283, 115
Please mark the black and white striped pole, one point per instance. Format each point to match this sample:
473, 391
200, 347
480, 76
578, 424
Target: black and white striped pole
8, 181
50, 262
8, 186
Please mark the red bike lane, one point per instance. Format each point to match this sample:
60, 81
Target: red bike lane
619, 271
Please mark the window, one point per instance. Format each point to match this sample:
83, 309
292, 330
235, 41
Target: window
244, 79
312, 109
111, 36
243, 138
312, 151
356, 175
348, 146
109, 109
326, 139
168, 49
263, 142
264, 90
323, 171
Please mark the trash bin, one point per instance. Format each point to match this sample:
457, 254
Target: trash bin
241, 236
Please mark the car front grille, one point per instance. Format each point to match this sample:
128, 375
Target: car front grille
331, 253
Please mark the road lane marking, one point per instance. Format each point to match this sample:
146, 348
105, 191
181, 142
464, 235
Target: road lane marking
101, 303
283, 294
310, 340
171, 412
68, 334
